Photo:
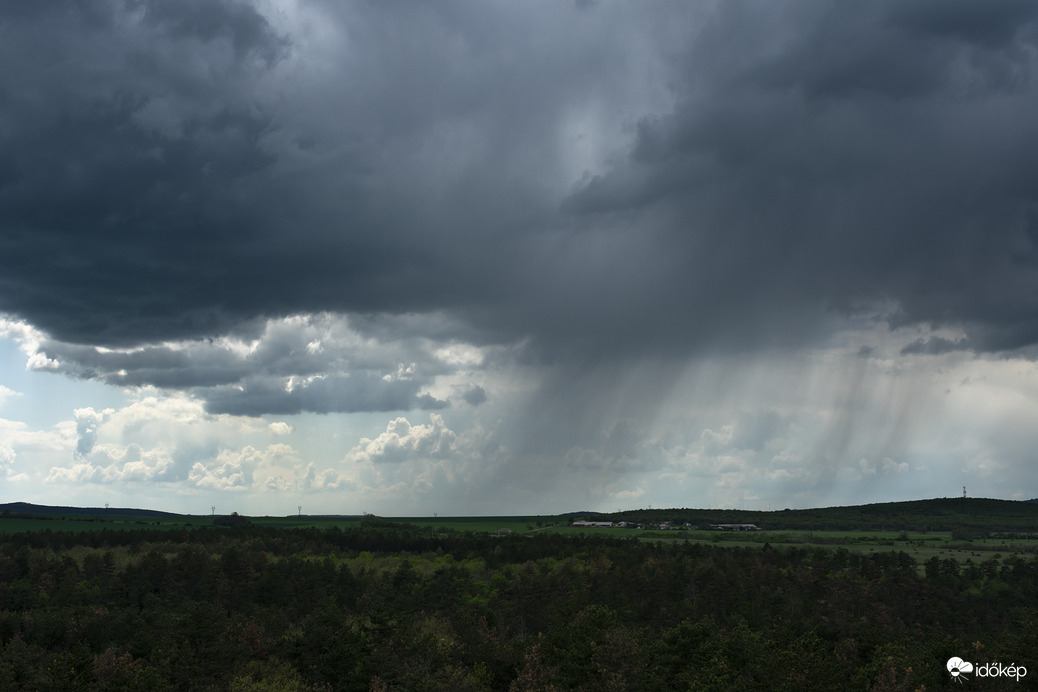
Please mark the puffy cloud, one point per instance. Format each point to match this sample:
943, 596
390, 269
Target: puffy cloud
23, 450
112, 464
226, 473
886, 465
241, 469
277, 369
629, 494
328, 479
7, 393
7, 456
276, 468
87, 422
280, 428
77, 473
402, 441
152, 439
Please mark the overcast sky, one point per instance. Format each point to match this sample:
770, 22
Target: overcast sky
486, 257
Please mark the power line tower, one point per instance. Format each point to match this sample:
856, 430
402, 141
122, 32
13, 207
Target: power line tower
300, 510
214, 510
963, 492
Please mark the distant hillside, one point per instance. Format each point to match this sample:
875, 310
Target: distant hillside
26, 508
939, 514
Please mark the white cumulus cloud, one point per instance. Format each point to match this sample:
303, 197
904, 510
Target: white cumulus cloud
402, 441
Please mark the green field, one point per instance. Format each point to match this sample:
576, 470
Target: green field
972, 530
480, 524
84, 523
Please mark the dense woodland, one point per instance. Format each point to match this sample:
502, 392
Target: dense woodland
252, 608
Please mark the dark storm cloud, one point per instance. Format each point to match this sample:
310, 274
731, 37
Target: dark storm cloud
857, 155
935, 346
159, 366
427, 402
248, 32
994, 23
351, 393
175, 171
316, 364
475, 396
128, 165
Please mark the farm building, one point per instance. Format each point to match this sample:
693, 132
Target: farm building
735, 527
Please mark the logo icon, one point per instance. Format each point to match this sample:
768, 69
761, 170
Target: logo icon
958, 668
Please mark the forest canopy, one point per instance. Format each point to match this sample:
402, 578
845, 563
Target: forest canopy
252, 607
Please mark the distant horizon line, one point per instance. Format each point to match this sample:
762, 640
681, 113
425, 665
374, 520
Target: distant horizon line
58, 509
